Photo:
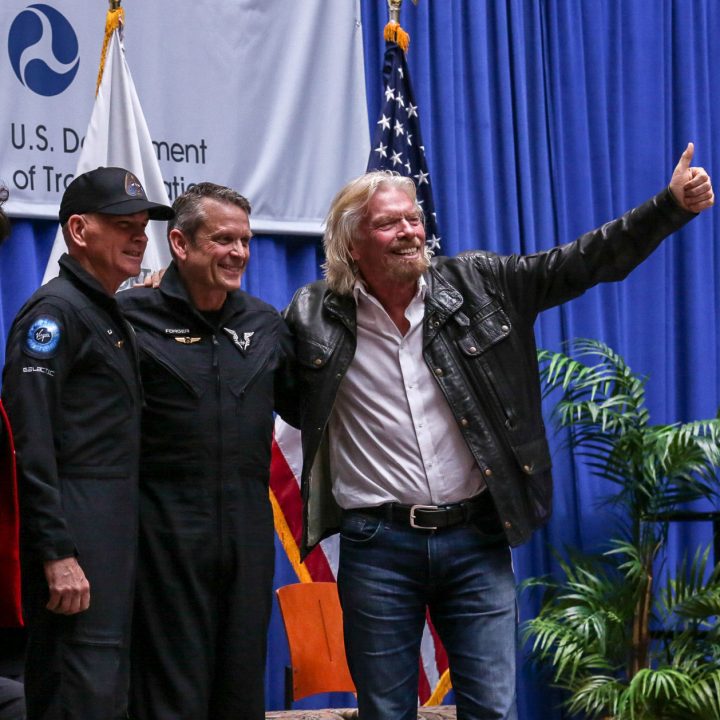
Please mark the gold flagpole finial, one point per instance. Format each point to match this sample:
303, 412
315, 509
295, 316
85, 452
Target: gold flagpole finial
393, 32
394, 10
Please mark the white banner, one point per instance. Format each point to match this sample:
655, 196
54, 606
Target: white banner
118, 136
266, 96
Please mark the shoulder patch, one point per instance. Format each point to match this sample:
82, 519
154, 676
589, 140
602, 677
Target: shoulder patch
43, 337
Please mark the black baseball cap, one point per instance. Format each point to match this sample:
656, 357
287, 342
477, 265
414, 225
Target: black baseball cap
109, 190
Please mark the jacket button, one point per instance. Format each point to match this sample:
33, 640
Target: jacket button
507, 524
528, 468
317, 361
504, 328
464, 422
438, 371
488, 472
472, 349
436, 323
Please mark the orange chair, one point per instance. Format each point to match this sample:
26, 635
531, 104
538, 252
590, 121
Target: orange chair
312, 616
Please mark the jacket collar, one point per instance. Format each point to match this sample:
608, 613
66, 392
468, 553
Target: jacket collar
441, 297
72, 270
173, 287
342, 307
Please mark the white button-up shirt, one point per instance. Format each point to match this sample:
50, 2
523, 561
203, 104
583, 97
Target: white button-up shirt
393, 437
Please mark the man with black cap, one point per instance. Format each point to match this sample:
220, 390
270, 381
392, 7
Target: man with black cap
72, 391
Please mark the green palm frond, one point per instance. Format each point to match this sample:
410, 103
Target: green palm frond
593, 626
651, 692
595, 697
701, 699
689, 595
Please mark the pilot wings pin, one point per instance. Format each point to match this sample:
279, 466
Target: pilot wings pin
241, 342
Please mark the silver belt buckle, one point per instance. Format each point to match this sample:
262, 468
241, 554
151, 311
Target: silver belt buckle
413, 508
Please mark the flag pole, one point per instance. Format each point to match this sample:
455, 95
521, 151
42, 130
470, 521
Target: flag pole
113, 21
393, 32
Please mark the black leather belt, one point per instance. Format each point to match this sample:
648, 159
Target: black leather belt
433, 517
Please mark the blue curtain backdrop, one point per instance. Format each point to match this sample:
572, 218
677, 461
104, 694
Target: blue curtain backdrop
541, 119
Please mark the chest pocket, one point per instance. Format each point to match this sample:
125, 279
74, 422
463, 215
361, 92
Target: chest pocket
484, 329
167, 367
314, 354
249, 373
108, 356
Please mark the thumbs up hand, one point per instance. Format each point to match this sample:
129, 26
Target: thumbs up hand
691, 186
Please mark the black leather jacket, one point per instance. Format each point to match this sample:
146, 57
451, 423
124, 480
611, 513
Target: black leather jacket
480, 345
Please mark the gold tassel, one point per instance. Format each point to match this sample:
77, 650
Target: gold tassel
394, 33
441, 690
288, 541
113, 20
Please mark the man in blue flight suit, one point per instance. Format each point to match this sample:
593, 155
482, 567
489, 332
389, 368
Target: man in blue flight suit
71, 388
211, 359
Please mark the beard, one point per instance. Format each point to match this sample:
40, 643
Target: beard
405, 270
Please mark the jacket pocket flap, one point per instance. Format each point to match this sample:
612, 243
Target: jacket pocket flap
484, 333
175, 369
533, 457
312, 355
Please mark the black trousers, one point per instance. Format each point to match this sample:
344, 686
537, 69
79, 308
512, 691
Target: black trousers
12, 700
77, 666
204, 594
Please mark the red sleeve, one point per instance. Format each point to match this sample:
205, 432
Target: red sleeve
10, 608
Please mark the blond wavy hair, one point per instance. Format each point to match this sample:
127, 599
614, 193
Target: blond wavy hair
347, 211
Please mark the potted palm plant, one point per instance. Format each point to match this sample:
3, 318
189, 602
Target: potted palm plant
624, 644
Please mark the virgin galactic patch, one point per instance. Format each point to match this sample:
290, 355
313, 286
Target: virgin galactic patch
43, 337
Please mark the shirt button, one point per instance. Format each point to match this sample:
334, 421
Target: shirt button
488, 472
438, 371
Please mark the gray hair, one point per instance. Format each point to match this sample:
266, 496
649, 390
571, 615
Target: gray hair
347, 211
189, 210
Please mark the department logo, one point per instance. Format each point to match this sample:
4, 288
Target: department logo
43, 337
43, 49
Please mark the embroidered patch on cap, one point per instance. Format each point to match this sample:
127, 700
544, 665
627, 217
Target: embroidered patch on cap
43, 337
132, 186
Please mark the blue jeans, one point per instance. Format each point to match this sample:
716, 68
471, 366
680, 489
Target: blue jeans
388, 575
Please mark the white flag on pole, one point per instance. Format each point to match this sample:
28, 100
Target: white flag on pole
118, 136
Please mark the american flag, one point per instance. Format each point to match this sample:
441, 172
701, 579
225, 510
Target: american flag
397, 142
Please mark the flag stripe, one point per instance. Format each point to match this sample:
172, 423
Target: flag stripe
284, 485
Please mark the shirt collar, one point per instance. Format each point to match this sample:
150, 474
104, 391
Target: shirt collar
360, 289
